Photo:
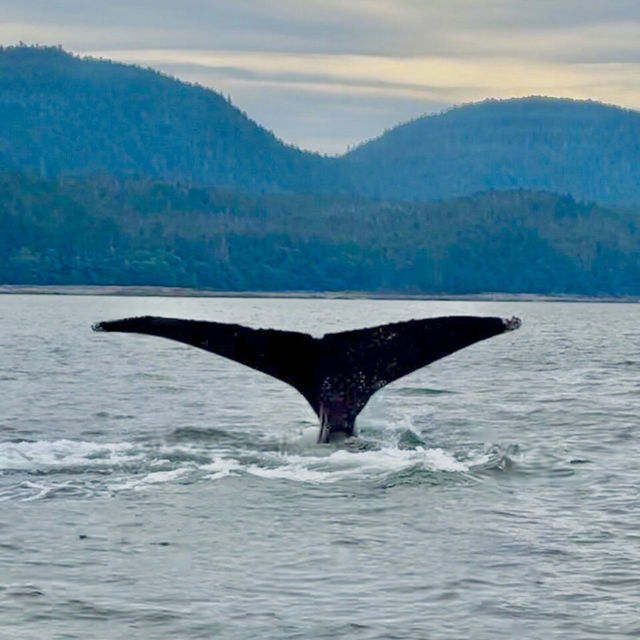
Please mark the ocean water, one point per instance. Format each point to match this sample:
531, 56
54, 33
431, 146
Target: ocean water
150, 490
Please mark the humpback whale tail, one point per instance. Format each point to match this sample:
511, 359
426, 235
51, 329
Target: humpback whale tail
337, 373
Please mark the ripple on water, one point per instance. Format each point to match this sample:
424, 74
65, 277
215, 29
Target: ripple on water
218, 515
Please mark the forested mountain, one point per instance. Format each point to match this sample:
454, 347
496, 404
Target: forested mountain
586, 149
126, 231
112, 174
62, 115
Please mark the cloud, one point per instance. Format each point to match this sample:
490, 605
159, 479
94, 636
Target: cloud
345, 98
446, 79
324, 121
348, 69
383, 27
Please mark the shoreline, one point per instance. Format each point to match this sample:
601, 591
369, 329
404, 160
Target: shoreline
179, 292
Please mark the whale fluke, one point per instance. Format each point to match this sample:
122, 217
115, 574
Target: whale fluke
337, 373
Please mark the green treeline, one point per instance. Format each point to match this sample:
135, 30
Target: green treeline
107, 230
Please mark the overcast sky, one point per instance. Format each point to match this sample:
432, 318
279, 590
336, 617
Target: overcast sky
326, 74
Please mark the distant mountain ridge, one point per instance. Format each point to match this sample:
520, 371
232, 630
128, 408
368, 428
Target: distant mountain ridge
582, 148
63, 115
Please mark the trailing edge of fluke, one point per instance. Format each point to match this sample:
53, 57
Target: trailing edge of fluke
337, 373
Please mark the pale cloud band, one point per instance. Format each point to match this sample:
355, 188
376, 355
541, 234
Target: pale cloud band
428, 81
338, 72
430, 77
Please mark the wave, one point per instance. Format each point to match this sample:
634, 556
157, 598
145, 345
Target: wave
46, 456
49, 469
418, 391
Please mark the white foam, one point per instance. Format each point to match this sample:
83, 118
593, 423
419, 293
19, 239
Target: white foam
163, 476
27, 491
60, 454
313, 465
221, 468
44, 491
153, 478
343, 464
299, 473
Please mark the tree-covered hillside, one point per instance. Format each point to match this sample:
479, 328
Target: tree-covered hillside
586, 149
125, 231
112, 174
62, 115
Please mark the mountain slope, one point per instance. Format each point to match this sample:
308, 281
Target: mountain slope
586, 149
60, 114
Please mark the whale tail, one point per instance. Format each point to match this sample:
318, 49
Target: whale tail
338, 373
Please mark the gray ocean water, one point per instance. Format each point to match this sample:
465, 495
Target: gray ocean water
150, 490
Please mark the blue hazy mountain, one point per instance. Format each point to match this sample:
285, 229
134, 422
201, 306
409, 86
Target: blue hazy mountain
62, 115
586, 149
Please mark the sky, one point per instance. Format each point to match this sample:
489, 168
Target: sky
328, 74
